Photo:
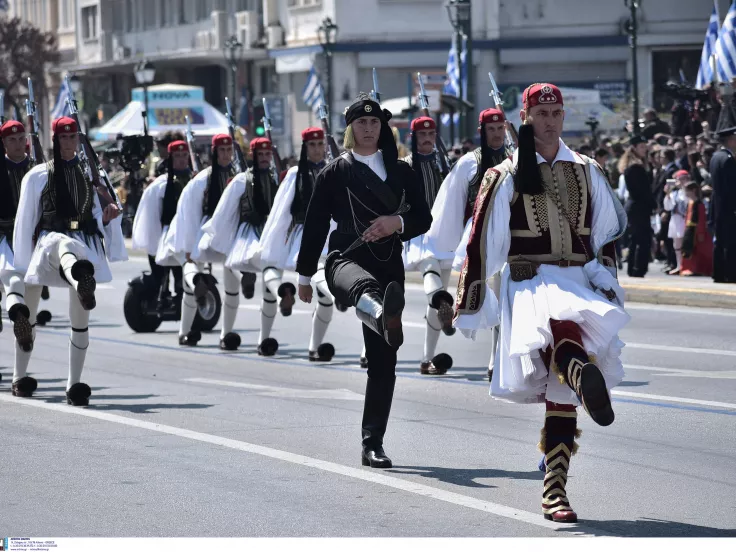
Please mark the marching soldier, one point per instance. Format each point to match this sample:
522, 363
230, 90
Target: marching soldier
547, 220
282, 236
188, 240
235, 231
155, 212
14, 164
377, 203
75, 241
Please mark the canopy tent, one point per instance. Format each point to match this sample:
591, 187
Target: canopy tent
168, 104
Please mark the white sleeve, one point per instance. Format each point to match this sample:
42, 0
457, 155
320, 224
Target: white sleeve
189, 214
219, 232
279, 219
28, 216
669, 202
147, 222
498, 242
113, 233
448, 211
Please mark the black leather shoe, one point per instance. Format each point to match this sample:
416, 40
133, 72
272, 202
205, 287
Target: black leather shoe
375, 458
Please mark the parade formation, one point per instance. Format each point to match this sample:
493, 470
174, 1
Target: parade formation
530, 224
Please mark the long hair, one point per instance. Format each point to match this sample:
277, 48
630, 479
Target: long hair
629, 158
6, 207
303, 194
259, 197
171, 195
65, 207
528, 177
213, 186
348, 139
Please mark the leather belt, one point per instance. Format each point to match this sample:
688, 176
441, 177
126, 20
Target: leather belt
521, 270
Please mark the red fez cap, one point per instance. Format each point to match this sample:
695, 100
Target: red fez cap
178, 145
221, 140
312, 133
541, 94
491, 115
10, 128
423, 123
681, 173
64, 125
260, 144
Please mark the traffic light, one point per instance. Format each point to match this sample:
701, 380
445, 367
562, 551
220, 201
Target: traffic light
258, 114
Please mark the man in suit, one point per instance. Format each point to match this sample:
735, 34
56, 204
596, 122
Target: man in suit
669, 167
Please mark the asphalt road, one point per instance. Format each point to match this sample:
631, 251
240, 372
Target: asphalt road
197, 442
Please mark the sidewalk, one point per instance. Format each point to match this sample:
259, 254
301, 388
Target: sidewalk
655, 288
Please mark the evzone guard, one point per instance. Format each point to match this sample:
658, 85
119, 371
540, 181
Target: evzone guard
376, 203
14, 164
188, 241
76, 238
444, 244
155, 212
282, 236
547, 221
235, 231
435, 275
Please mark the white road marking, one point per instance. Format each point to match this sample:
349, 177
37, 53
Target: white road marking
675, 349
286, 392
366, 475
684, 400
681, 309
683, 373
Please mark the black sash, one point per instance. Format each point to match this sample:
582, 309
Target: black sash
379, 188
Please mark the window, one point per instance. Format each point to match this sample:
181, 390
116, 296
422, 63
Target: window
204, 9
303, 3
89, 23
66, 14
182, 11
118, 16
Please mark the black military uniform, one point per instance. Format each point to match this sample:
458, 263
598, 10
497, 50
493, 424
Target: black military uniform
722, 213
369, 276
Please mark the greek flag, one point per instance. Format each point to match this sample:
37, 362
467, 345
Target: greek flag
312, 93
705, 73
61, 108
726, 47
455, 71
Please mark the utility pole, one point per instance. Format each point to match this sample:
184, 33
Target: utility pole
633, 29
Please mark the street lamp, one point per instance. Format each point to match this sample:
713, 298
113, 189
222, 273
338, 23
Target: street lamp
232, 49
459, 14
75, 83
632, 29
327, 33
145, 72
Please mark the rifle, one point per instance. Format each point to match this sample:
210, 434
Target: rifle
375, 93
193, 157
239, 158
331, 150
36, 151
276, 165
2, 107
91, 166
512, 137
440, 151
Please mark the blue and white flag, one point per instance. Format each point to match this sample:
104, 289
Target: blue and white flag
705, 73
312, 93
455, 72
726, 47
61, 107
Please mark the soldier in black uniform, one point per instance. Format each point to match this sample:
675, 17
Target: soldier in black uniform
377, 203
722, 214
14, 164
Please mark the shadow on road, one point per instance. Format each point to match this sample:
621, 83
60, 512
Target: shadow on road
147, 408
465, 477
648, 527
633, 384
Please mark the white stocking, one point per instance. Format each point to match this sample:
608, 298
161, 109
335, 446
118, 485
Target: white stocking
79, 340
323, 313
188, 304
269, 304
232, 300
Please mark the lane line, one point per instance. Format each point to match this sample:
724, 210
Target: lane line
305, 461
675, 349
684, 400
697, 311
684, 373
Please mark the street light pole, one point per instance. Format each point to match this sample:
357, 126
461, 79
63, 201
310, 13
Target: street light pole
233, 52
633, 29
327, 33
145, 72
459, 13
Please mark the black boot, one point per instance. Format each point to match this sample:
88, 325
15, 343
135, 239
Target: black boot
248, 284
443, 302
379, 394
383, 316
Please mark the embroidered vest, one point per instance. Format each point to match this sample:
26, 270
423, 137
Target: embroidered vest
82, 194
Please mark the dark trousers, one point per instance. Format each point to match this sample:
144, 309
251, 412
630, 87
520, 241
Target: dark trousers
640, 245
724, 263
159, 273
